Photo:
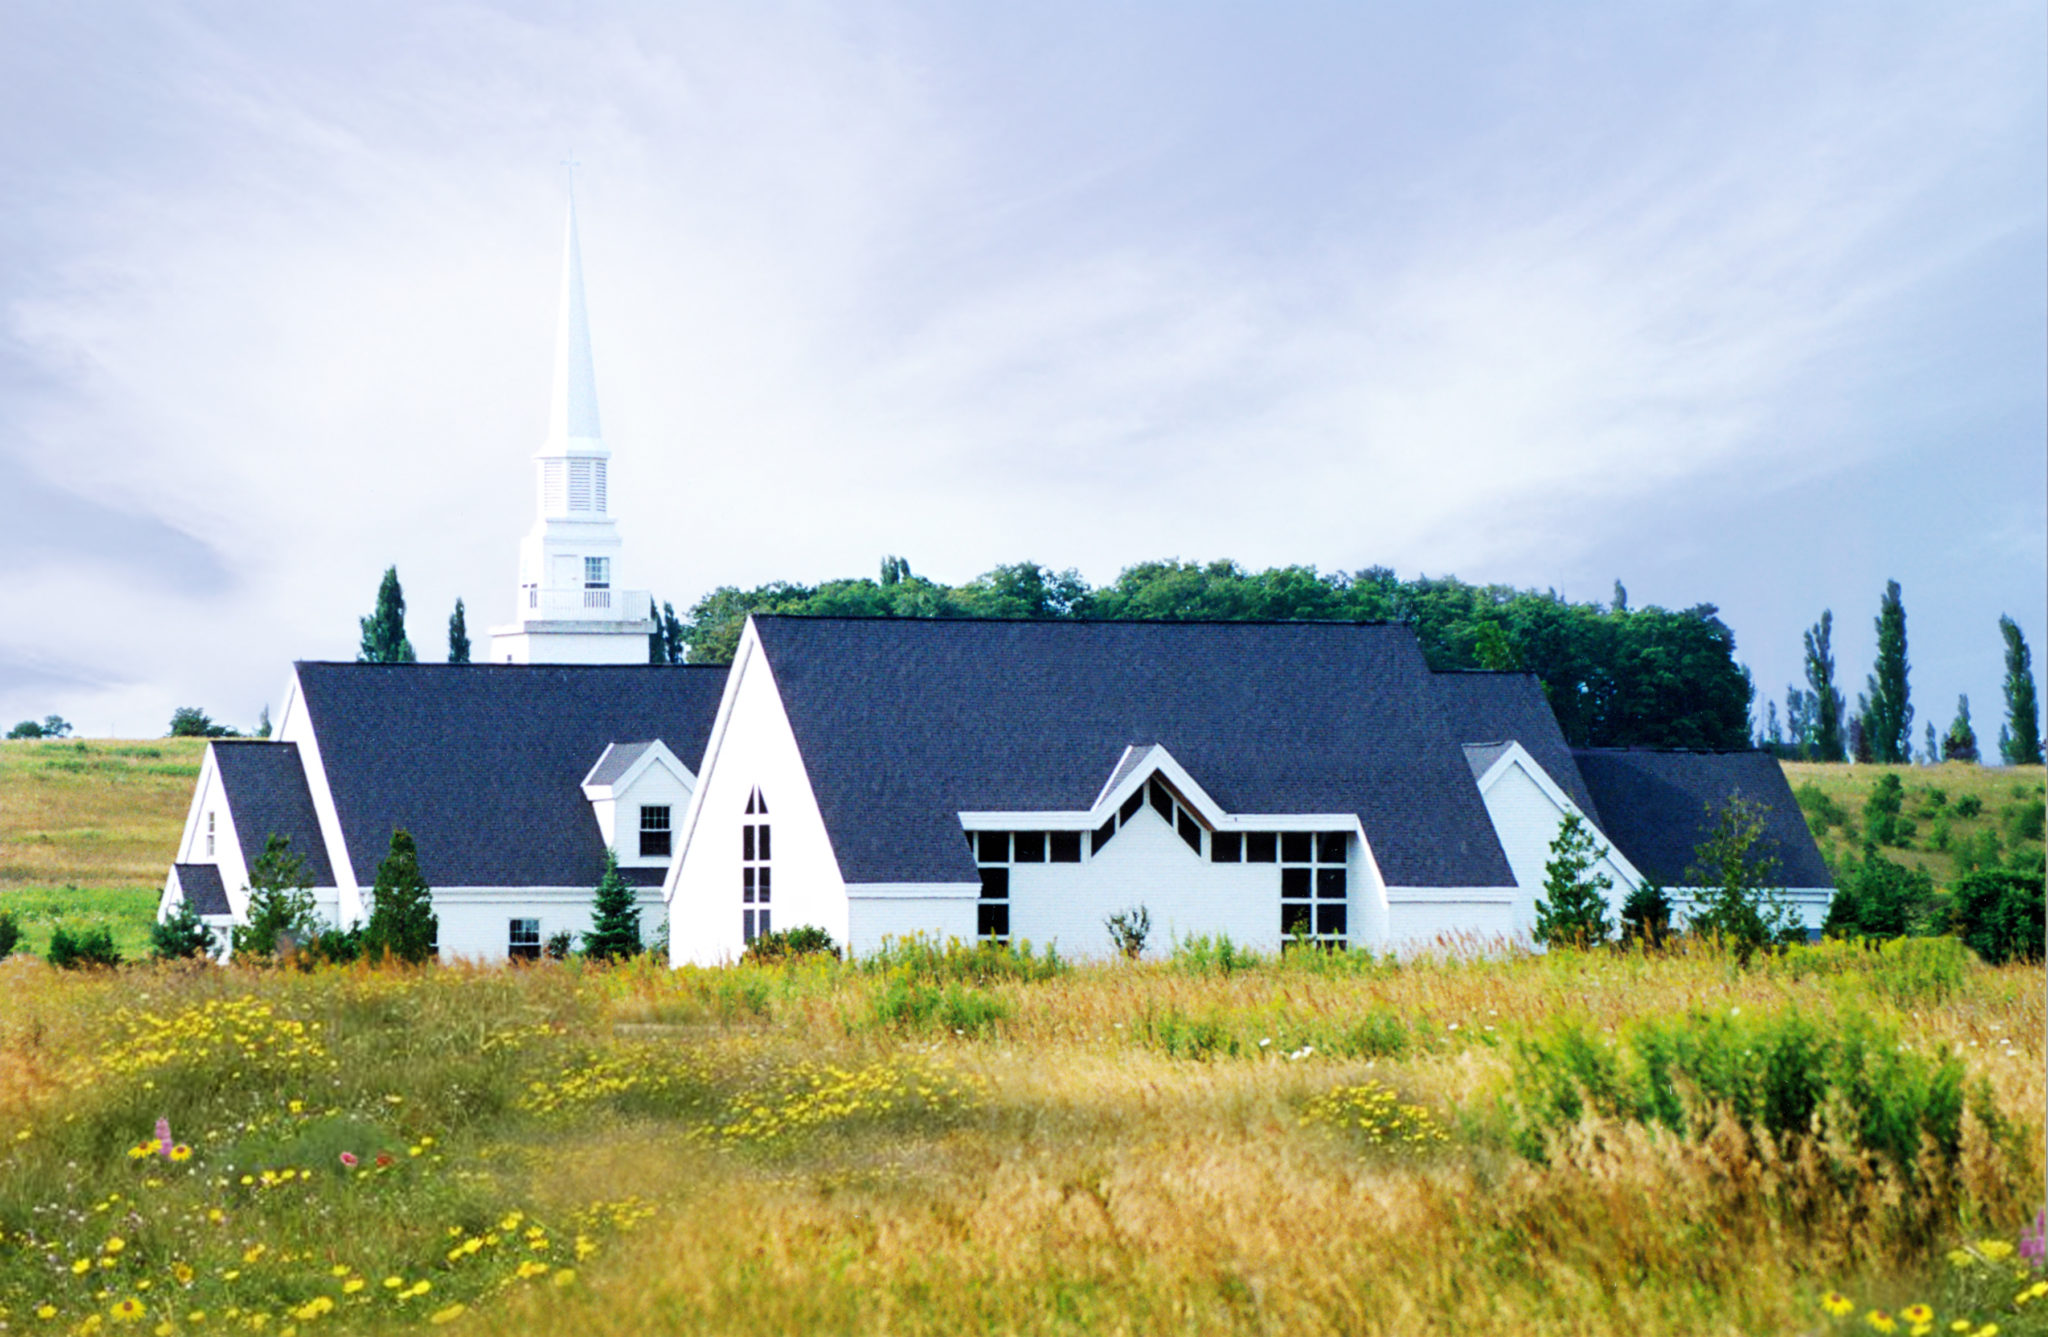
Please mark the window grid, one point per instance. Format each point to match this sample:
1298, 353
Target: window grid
523, 940
1314, 887
755, 882
654, 831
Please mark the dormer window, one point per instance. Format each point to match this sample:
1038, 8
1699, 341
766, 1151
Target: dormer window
654, 831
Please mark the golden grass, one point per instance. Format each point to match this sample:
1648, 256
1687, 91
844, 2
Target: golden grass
97, 814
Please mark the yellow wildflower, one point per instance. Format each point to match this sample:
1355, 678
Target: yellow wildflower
1880, 1321
1836, 1303
448, 1315
352, 1285
181, 1273
566, 1277
1916, 1314
46, 1311
115, 1245
181, 1152
81, 1266
1995, 1250
126, 1311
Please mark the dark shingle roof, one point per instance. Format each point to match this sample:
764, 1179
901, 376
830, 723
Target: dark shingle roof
484, 763
903, 724
1654, 806
201, 887
265, 784
1505, 707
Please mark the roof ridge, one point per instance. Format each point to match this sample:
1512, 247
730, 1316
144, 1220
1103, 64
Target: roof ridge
1092, 621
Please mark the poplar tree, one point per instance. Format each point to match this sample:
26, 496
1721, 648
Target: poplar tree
1824, 699
458, 635
384, 639
2020, 742
402, 922
1888, 722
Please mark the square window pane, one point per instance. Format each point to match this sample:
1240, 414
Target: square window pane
1294, 884
995, 847
1226, 847
992, 919
1330, 920
995, 884
654, 844
1030, 846
1295, 846
1330, 847
654, 817
1330, 884
1293, 919
1064, 846
1261, 847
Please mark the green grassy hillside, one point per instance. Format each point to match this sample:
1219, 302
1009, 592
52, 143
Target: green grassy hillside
87, 829
1956, 815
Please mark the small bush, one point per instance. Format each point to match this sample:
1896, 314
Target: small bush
179, 936
1822, 812
88, 949
1920, 970
1999, 913
908, 1004
1646, 917
1218, 955
792, 944
559, 945
2025, 821
1129, 930
925, 958
1969, 805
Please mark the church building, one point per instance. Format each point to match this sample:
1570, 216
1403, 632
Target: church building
983, 780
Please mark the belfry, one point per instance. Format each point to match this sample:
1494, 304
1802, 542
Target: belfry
570, 607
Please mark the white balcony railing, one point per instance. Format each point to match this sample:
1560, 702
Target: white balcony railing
585, 605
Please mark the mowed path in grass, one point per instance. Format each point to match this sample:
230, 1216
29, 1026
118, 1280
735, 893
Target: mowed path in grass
87, 829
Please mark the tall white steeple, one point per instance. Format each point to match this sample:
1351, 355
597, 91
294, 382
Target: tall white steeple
570, 608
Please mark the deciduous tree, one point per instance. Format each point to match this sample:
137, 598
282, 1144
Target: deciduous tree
1824, 696
384, 639
2020, 743
1888, 720
458, 634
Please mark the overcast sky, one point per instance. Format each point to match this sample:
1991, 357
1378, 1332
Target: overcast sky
1738, 304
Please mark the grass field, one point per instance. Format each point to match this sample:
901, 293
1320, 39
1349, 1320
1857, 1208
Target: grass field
87, 831
1952, 812
949, 1142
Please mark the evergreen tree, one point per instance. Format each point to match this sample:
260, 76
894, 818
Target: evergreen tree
1961, 743
614, 918
180, 936
458, 635
1931, 749
673, 643
384, 639
281, 916
1888, 722
1824, 698
263, 722
402, 923
657, 640
2020, 744
1573, 911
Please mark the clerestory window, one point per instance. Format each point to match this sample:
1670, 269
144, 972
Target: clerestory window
755, 874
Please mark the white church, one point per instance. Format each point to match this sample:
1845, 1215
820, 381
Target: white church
971, 779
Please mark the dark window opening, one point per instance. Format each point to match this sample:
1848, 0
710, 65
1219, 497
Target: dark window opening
1103, 834
746, 842
747, 884
1330, 920
1064, 846
994, 846
1162, 802
1330, 847
1261, 847
1190, 830
763, 893
1294, 884
1294, 920
1226, 847
995, 884
1295, 847
523, 942
754, 872
1030, 846
1131, 805
992, 921
654, 832
1330, 884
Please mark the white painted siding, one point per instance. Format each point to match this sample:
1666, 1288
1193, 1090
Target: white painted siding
873, 919
295, 725
1422, 919
751, 748
619, 817
1526, 816
475, 922
210, 800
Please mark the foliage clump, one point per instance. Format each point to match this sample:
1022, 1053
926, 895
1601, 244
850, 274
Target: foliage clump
614, 917
402, 921
179, 935
87, 949
805, 940
1573, 909
1739, 904
281, 916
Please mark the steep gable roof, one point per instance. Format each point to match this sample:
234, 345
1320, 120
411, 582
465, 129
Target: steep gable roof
484, 763
1654, 805
265, 784
200, 885
903, 724
1487, 707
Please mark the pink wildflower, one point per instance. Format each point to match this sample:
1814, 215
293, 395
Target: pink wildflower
2034, 1242
163, 1138
348, 1160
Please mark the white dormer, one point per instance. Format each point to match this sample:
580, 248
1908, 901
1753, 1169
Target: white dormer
639, 792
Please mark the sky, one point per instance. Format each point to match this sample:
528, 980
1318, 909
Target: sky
1741, 304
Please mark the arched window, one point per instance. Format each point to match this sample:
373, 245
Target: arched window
754, 869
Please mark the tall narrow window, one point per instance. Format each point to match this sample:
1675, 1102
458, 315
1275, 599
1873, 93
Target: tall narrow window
654, 831
209, 835
1314, 887
992, 914
754, 871
554, 486
582, 484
